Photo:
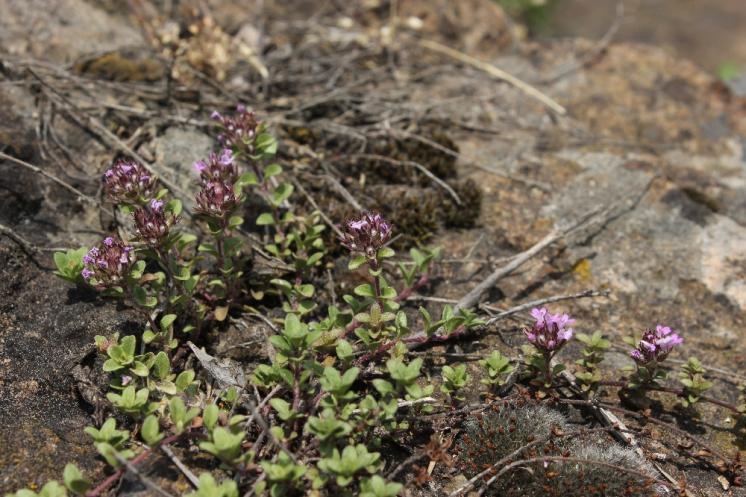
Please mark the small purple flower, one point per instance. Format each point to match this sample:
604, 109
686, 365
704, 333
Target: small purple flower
152, 222
367, 234
128, 182
550, 331
238, 132
655, 345
216, 199
106, 265
220, 168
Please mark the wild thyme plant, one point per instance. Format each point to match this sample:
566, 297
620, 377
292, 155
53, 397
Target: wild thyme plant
322, 415
339, 386
548, 335
692, 377
592, 355
651, 350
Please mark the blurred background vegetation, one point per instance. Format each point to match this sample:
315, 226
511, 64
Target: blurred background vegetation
712, 33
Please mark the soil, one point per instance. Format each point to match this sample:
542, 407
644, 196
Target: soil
652, 140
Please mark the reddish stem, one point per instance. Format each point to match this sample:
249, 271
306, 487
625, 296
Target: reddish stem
111, 480
676, 391
407, 292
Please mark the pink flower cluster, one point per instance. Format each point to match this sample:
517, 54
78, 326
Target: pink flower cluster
216, 199
107, 264
218, 168
128, 182
238, 131
218, 174
655, 345
152, 222
367, 234
550, 331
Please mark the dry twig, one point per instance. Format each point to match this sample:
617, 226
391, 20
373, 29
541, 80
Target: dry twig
495, 72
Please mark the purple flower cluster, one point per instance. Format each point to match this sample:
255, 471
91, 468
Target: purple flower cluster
550, 331
367, 234
218, 168
216, 199
152, 222
107, 264
128, 182
238, 131
655, 345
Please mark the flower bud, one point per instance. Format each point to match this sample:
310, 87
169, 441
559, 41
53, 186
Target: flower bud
220, 168
128, 182
216, 199
367, 234
152, 222
108, 264
237, 131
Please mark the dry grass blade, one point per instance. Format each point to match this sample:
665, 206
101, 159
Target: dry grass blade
495, 72
52, 177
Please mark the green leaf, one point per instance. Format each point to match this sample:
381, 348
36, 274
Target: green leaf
272, 170
356, 262
150, 431
234, 222
185, 379
266, 144
174, 206
161, 366
210, 416
265, 219
148, 336
344, 350
247, 179
365, 290
74, 479
110, 365
282, 407
386, 252
139, 369
167, 321
281, 193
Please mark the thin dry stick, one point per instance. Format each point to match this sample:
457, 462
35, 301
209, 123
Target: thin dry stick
473, 297
547, 300
470, 483
417, 166
647, 419
144, 479
344, 192
26, 245
52, 177
315, 205
495, 72
622, 433
182, 467
561, 459
102, 131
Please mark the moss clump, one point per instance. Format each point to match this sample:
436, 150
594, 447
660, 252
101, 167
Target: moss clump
466, 214
505, 428
415, 212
